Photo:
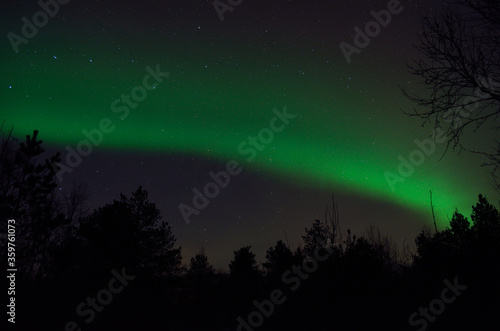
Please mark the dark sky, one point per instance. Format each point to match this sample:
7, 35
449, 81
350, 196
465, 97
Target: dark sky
164, 93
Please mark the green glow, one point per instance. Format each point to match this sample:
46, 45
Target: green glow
340, 139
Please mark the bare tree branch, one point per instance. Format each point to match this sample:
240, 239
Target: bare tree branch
459, 69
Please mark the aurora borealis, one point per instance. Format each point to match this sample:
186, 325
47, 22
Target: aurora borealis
224, 80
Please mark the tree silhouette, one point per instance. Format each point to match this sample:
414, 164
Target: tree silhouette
317, 237
460, 67
130, 232
244, 265
27, 195
26, 186
74, 202
361, 256
462, 245
459, 224
244, 278
199, 268
279, 259
485, 218
384, 247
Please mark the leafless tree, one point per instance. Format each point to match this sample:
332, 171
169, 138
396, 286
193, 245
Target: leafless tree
332, 221
27, 186
460, 70
75, 200
384, 246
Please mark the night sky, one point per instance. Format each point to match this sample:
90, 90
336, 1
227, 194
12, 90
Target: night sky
213, 84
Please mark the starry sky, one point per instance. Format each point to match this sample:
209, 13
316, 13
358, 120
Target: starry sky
177, 94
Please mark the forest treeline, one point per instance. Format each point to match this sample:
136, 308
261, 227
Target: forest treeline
118, 267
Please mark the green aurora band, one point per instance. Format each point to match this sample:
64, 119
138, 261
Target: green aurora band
207, 107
